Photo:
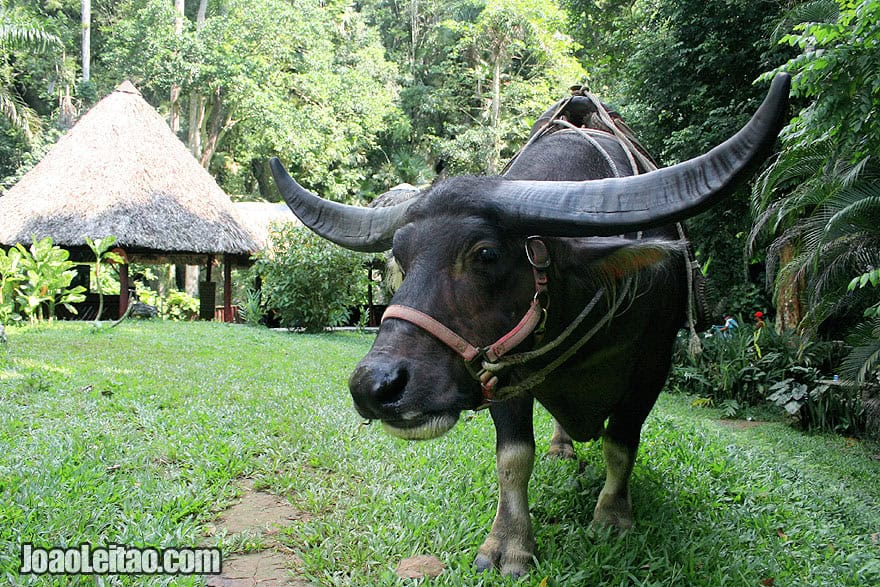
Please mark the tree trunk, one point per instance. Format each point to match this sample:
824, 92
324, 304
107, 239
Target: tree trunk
218, 123
86, 40
414, 34
196, 119
495, 119
263, 176
174, 97
788, 301
175, 88
179, 6
196, 100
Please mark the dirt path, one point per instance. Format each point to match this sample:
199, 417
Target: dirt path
257, 512
265, 514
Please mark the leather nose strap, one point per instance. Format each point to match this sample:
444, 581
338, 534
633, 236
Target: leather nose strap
468, 351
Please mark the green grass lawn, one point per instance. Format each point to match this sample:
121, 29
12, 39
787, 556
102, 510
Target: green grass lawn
139, 435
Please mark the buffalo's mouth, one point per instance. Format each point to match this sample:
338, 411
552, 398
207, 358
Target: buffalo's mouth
413, 400
424, 427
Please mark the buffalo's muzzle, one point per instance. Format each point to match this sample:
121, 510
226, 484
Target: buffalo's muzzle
377, 388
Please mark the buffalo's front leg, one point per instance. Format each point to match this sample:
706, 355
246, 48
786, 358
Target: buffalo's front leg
510, 545
620, 443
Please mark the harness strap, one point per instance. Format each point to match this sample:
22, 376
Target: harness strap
467, 351
526, 357
538, 376
585, 133
528, 325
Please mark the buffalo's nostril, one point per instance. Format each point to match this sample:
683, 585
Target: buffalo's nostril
376, 387
389, 386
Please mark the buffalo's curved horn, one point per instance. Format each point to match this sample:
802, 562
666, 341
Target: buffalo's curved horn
368, 230
618, 205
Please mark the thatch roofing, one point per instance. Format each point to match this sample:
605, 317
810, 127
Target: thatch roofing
258, 218
121, 170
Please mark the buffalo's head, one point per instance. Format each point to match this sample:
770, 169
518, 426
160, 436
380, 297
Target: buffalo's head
459, 246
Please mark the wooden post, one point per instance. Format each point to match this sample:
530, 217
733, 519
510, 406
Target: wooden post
207, 293
123, 288
227, 289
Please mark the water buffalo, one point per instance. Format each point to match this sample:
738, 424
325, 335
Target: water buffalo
581, 317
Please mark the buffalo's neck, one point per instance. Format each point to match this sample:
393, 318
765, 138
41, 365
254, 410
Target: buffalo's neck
633, 327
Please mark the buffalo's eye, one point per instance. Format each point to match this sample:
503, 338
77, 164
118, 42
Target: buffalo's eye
488, 255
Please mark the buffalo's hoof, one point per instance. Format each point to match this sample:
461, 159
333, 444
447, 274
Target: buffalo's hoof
613, 511
510, 561
562, 451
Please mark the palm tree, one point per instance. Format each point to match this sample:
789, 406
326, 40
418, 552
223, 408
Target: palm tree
828, 222
18, 34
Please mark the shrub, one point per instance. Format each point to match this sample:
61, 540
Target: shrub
179, 305
815, 403
10, 278
252, 311
744, 365
309, 282
753, 366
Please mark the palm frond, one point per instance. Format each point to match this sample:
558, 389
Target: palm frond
760, 226
23, 36
815, 11
856, 207
847, 172
788, 171
838, 262
865, 354
19, 114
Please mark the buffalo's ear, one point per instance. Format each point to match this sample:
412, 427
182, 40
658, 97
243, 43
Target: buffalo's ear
636, 256
613, 258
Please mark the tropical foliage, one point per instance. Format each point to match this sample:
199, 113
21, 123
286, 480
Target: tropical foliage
34, 280
304, 81
19, 36
751, 365
514, 45
820, 200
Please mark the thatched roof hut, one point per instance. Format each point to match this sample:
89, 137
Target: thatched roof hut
121, 171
